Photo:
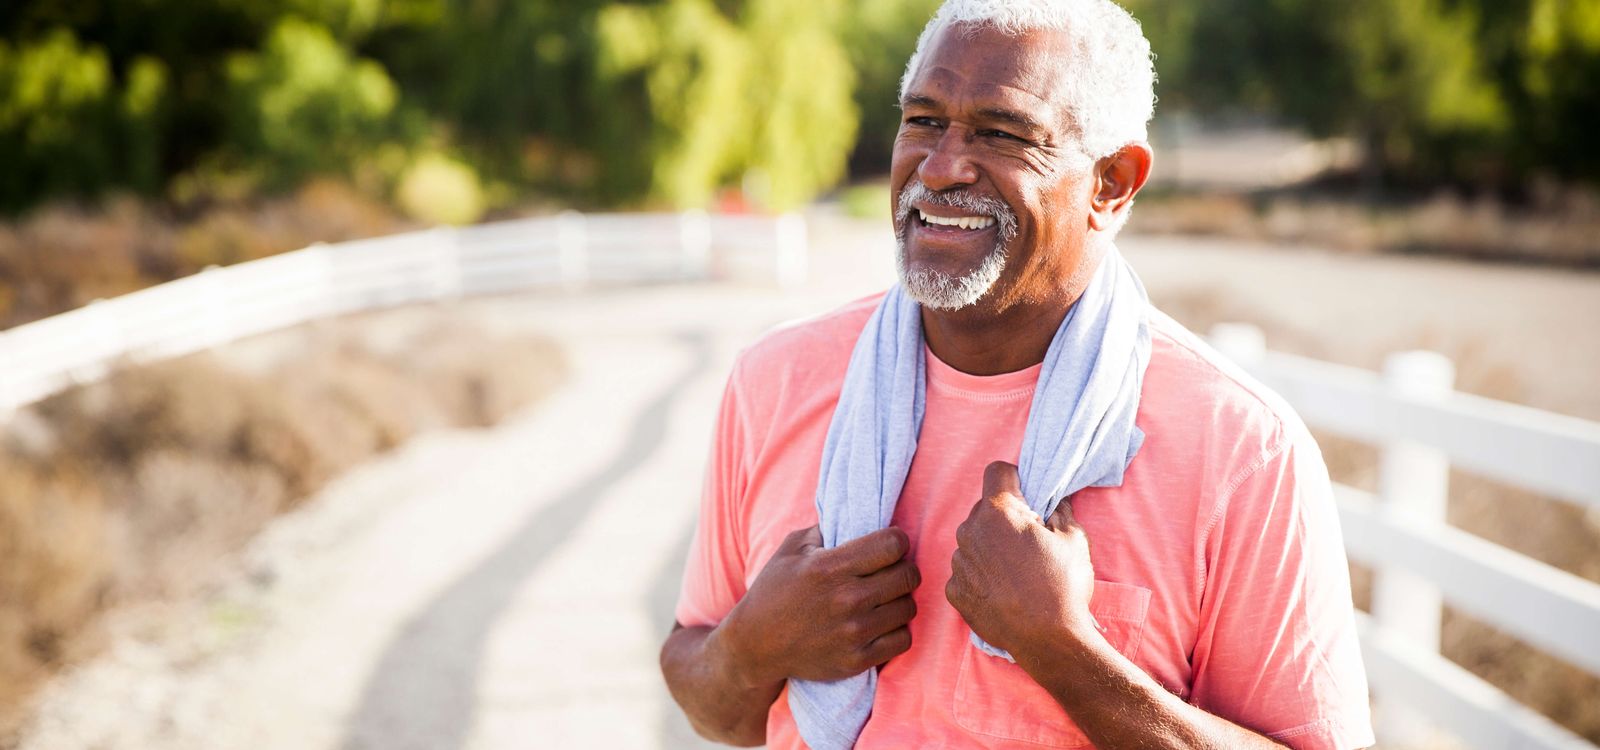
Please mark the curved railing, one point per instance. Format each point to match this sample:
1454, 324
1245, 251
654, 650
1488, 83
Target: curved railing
225, 304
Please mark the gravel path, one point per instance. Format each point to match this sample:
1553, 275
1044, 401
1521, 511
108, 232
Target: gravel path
509, 587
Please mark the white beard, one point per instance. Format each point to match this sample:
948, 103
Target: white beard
937, 290
941, 291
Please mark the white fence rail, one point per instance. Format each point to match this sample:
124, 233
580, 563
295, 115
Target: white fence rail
1421, 562
224, 304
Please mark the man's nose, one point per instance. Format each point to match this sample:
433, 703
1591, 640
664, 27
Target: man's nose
948, 164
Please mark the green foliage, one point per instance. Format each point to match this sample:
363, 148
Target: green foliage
879, 37
1424, 90
67, 127
670, 102
763, 99
1557, 87
304, 105
801, 83
1483, 91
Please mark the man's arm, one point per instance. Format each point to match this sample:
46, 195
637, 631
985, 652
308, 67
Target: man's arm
1044, 622
812, 613
722, 702
1122, 707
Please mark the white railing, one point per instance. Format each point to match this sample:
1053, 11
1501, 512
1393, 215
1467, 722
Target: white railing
225, 304
1419, 561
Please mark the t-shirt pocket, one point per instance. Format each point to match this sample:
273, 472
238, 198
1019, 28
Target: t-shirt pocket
997, 699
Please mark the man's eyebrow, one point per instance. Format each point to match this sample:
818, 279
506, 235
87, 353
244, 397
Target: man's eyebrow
997, 114
1012, 116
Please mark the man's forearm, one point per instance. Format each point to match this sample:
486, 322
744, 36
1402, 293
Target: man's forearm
706, 682
1119, 706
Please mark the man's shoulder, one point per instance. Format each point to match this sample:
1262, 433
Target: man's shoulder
814, 349
1191, 384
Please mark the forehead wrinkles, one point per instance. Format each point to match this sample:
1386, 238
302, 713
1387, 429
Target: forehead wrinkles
972, 66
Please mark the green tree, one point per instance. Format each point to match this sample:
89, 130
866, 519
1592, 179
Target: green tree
1555, 88
304, 105
879, 38
1406, 77
762, 99
67, 127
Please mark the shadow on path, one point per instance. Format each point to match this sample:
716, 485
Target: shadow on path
421, 693
673, 727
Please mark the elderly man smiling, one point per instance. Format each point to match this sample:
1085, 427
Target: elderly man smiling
1012, 404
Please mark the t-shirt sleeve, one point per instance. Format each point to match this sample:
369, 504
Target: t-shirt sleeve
714, 575
1277, 650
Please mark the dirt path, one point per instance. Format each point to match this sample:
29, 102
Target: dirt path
508, 588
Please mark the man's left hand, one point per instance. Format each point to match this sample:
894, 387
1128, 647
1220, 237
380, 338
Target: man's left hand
1022, 585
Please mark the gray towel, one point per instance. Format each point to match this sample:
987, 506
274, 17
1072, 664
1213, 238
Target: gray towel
1080, 434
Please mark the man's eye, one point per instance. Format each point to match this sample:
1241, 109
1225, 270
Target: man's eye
923, 122
1001, 134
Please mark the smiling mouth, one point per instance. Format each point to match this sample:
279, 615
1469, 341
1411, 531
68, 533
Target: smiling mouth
954, 222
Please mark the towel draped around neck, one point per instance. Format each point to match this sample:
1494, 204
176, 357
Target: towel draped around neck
1080, 433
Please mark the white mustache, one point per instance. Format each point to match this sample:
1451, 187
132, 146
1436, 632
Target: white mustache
915, 192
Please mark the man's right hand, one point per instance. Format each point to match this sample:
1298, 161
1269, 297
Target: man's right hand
824, 614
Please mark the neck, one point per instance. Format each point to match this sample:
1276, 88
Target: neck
996, 336
978, 342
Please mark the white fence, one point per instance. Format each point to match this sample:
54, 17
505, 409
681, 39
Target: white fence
1420, 562
224, 304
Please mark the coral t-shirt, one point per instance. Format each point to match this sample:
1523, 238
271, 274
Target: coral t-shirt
1219, 566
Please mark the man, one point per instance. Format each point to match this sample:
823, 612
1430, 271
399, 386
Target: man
1215, 611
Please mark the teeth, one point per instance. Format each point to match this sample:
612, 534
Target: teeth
963, 222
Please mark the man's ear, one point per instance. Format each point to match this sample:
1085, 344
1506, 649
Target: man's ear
1118, 178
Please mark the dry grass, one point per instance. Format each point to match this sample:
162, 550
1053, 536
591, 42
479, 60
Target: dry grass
63, 256
130, 489
1554, 532
1565, 231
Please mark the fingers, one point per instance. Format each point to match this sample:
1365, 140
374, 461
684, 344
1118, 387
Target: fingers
889, 616
892, 582
1062, 519
1000, 477
802, 540
869, 554
888, 646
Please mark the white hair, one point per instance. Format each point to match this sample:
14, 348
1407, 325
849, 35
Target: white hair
1110, 81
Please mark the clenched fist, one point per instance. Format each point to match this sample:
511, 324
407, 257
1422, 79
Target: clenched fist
1020, 584
825, 614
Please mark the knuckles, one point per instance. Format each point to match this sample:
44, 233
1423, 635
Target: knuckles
815, 568
846, 601
964, 534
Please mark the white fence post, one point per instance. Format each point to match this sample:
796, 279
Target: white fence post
791, 250
108, 342
447, 272
694, 240
218, 306
1413, 486
572, 240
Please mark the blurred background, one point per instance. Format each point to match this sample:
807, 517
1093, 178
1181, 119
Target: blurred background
366, 530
